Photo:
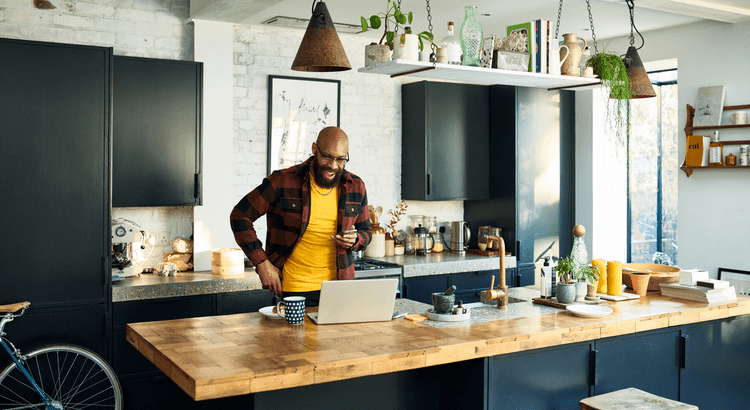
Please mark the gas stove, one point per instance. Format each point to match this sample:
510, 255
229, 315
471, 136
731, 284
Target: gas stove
374, 269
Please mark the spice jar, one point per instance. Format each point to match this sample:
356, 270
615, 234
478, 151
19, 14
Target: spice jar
439, 244
731, 160
484, 232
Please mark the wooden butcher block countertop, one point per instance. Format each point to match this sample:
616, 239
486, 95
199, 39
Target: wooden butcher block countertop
231, 355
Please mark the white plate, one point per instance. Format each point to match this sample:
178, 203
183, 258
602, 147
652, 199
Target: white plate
589, 310
268, 312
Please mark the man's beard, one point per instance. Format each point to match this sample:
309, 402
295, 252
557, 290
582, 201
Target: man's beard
320, 178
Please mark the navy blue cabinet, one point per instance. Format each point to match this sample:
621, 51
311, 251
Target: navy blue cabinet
553, 378
716, 365
421, 288
469, 285
648, 361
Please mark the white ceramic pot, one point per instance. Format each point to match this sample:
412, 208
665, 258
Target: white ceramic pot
376, 54
581, 291
406, 47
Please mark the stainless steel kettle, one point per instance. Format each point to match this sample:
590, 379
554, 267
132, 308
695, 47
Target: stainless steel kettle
460, 235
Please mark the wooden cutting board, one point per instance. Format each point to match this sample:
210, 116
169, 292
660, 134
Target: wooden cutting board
554, 303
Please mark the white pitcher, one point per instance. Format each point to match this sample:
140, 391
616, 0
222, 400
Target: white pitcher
555, 62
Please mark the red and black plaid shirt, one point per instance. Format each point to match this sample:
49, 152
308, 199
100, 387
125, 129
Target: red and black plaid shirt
284, 197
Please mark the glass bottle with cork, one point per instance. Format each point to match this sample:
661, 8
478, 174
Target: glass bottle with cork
715, 150
452, 45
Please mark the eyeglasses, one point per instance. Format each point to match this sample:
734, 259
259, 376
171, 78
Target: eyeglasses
328, 158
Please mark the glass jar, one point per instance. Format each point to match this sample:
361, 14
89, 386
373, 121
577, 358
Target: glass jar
430, 222
415, 222
492, 244
484, 232
439, 245
409, 244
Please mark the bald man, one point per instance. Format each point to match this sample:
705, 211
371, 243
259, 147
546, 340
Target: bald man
308, 208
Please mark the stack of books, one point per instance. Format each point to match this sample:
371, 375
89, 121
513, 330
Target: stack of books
707, 291
538, 35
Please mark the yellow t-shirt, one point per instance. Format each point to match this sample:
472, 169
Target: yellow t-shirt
313, 260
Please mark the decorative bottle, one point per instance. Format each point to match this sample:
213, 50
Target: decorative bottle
579, 254
452, 46
715, 151
471, 37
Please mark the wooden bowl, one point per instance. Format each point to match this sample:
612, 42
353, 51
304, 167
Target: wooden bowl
659, 274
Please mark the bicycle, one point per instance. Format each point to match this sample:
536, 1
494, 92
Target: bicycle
56, 377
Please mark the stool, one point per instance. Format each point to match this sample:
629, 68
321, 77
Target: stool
632, 398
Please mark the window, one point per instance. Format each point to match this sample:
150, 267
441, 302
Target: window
652, 171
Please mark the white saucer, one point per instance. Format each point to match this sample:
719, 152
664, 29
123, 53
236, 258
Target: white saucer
590, 311
268, 312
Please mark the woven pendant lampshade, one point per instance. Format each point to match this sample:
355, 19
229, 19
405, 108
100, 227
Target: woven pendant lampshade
321, 49
640, 83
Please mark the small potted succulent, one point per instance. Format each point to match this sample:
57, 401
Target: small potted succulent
566, 286
407, 44
590, 275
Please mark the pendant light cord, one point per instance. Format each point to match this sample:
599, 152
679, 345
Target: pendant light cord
591, 22
631, 6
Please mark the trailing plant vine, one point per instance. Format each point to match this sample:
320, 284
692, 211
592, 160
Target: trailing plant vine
610, 68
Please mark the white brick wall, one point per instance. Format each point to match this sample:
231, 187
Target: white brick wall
370, 115
142, 28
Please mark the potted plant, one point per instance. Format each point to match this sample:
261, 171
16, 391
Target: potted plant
376, 53
566, 286
590, 275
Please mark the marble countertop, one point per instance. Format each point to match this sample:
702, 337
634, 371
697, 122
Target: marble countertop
446, 262
153, 286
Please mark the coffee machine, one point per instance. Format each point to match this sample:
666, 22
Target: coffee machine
124, 237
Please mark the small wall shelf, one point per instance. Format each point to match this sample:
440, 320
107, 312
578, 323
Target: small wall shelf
689, 131
478, 75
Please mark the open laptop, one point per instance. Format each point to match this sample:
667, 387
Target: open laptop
353, 301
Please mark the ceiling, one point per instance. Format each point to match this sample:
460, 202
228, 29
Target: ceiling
611, 17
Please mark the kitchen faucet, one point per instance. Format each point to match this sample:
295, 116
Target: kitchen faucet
501, 293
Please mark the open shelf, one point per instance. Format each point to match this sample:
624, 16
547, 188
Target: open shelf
478, 75
689, 129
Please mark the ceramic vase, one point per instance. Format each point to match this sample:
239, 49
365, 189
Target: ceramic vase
640, 282
376, 54
376, 248
581, 290
406, 47
591, 290
570, 65
566, 293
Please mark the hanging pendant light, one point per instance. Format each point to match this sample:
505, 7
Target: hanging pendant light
321, 49
640, 84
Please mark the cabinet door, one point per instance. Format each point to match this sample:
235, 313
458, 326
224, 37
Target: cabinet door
84, 326
421, 288
648, 361
716, 366
157, 132
445, 141
243, 302
553, 378
54, 172
525, 275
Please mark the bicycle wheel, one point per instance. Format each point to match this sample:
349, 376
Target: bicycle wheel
72, 377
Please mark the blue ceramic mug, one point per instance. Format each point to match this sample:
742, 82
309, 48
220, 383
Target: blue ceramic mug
293, 309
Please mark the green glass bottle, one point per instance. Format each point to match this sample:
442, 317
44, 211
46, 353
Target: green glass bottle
471, 37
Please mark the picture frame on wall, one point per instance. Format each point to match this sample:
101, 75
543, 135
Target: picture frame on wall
298, 108
709, 106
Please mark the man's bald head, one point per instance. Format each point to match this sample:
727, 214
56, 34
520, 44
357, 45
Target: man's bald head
334, 141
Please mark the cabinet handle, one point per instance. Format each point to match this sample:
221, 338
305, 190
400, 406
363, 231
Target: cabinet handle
197, 187
683, 350
592, 368
428, 184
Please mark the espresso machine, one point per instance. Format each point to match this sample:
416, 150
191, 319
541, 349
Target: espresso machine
124, 237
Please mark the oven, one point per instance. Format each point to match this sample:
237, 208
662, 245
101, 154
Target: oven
374, 269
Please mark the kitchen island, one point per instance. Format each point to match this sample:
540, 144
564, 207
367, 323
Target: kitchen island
556, 357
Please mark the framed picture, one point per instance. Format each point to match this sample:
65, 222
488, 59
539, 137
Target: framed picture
298, 108
709, 106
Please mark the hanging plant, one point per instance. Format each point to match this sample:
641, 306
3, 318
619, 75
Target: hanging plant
610, 68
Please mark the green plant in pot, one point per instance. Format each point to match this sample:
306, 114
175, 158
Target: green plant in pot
566, 286
390, 20
590, 274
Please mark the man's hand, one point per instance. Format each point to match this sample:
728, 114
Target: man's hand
346, 239
269, 277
